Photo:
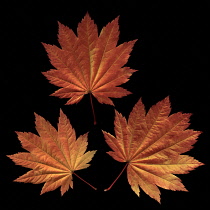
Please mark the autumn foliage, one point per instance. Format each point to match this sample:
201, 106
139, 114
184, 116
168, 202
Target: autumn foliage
151, 144
53, 156
89, 63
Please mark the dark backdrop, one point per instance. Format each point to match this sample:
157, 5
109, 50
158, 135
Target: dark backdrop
172, 56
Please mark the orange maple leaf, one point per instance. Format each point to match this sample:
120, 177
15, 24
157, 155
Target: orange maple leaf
151, 145
89, 63
54, 155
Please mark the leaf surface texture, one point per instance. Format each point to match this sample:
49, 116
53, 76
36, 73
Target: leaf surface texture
89, 62
152, 144
53, 155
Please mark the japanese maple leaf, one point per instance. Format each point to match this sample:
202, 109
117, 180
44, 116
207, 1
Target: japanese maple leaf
53, 155
151, 144
89, 63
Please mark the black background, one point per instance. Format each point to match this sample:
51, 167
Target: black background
172, 58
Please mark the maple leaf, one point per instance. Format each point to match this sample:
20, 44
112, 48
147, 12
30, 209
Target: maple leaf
89, 63
151, 145
53, 155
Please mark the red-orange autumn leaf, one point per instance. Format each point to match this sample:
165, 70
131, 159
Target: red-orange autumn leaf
89, 63
53, 155
152, 145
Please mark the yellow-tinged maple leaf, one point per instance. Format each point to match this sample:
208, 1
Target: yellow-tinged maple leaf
53, 155
89, 63
151, 144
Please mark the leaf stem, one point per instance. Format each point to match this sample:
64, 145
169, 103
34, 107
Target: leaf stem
84, 181
117, 177
91, 102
